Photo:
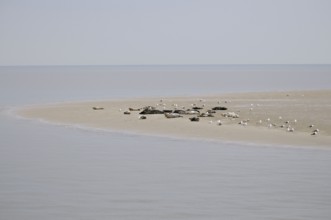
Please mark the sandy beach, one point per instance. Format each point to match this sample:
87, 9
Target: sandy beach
280, 118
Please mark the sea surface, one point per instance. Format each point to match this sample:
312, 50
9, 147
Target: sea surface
64, 172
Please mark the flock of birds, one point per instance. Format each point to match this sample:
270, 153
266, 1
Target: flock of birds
288, 125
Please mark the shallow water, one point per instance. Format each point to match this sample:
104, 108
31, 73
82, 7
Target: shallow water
59, 172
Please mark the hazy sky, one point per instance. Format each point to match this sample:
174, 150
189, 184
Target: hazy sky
75, 32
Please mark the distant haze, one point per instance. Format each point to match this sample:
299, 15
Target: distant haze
115, 32
45, 84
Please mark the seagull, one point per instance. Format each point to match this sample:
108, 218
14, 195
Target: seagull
290, 129
243, 123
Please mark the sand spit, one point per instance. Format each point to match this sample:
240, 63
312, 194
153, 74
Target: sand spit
300, 118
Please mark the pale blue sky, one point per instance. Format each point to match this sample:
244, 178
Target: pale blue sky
120, 32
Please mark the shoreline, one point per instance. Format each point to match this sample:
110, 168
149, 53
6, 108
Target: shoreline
262, 114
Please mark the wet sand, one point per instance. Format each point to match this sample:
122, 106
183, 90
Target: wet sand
264, 118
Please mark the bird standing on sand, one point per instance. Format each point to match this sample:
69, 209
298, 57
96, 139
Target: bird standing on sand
289, 129
315, 132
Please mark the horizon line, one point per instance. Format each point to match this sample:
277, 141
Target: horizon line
151, 65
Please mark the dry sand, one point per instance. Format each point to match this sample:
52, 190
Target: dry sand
304, 107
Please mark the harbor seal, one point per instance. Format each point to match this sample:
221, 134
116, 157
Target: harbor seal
194, 119
97, 108
172, 115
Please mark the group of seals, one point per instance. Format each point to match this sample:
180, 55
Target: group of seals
150, 110
176, 113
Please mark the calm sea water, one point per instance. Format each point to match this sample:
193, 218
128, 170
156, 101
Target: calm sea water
57, 172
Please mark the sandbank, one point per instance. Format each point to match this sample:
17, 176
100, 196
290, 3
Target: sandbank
266, 117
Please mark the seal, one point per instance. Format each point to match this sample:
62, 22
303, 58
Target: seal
194, 119
127, 113
134, 109
219, 108
206, 115
97, 108
172, 115
192, 112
